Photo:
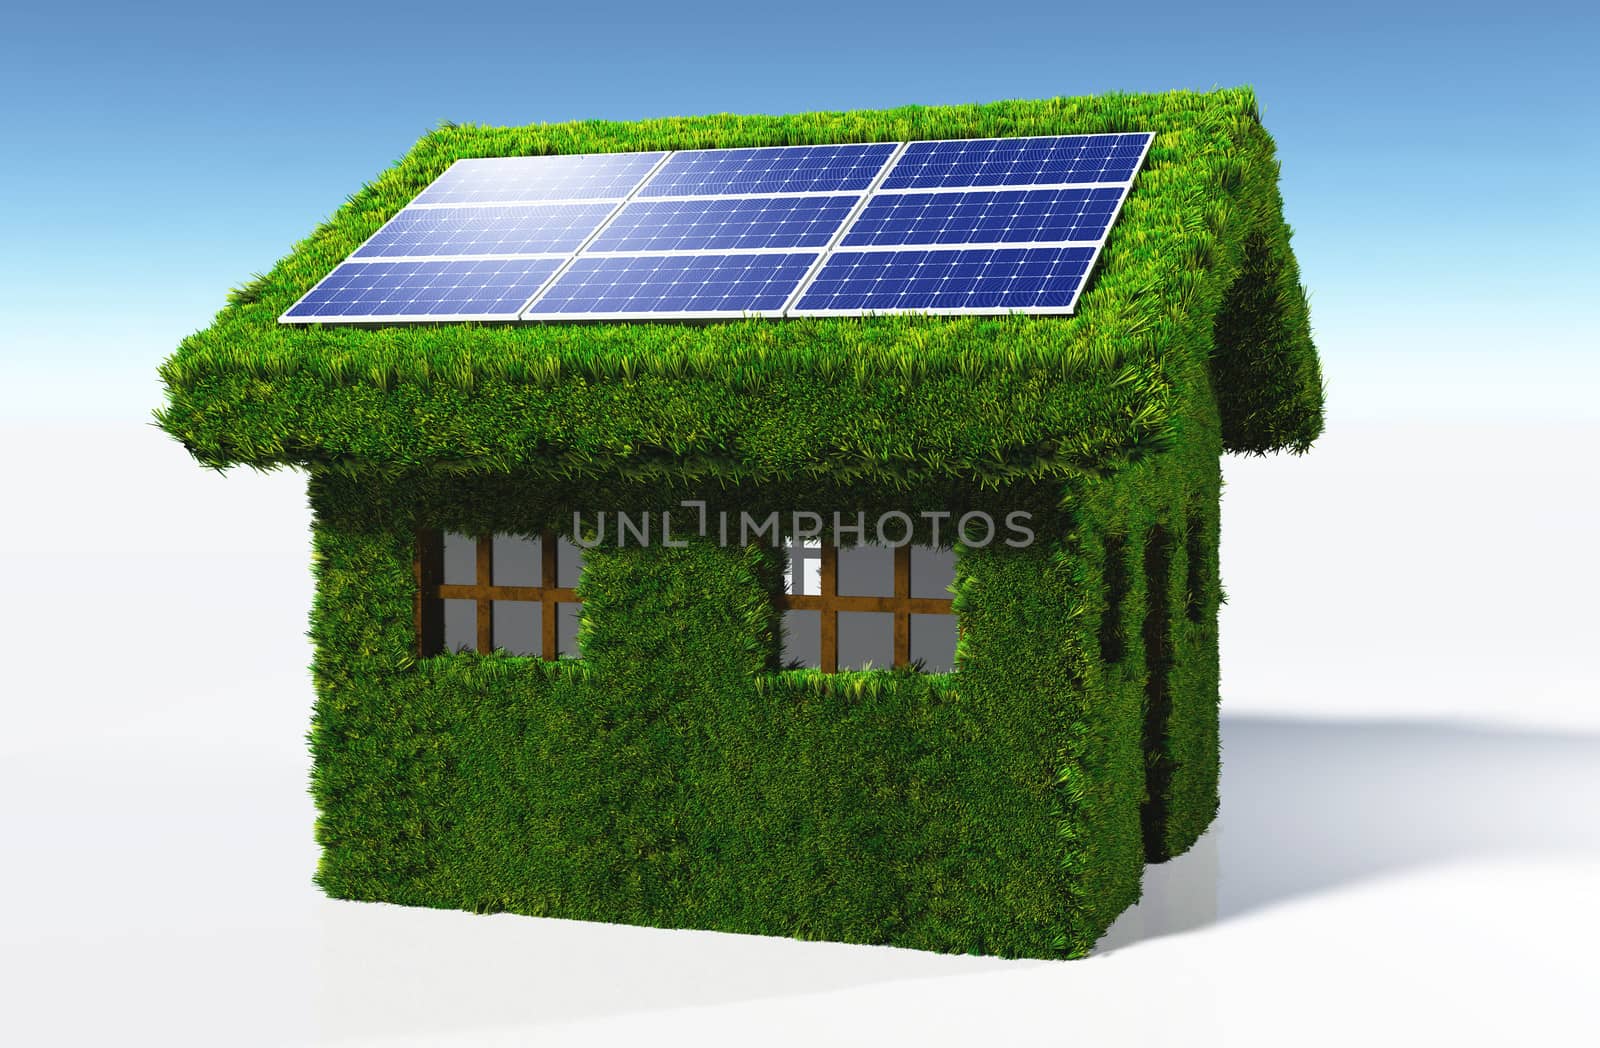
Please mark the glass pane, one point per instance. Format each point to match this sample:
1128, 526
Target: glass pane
516, 626
865, 571
569, 563
460, 560
932, 572
866, 636
803, 576
567, 616
460, 625
802, 639
516, 560
933, 640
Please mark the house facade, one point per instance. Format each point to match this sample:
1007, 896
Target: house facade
888, 630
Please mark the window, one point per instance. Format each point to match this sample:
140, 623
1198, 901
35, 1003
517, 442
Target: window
510, 592
854, 606
1158, 661
1118, 579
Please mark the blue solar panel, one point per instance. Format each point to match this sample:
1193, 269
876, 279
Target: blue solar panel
1018, 161
777, 169
985, 217
485, 290
726, 223
509, 180
523, 229
733, 285
991, 280
979, 225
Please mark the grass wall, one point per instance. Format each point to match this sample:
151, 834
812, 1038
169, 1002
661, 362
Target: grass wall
675, 776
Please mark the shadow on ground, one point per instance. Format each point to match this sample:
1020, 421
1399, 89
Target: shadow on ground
1309, 806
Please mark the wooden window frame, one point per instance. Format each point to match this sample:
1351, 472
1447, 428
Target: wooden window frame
903, 605
432, 592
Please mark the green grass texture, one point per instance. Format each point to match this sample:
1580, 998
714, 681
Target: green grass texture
1198, 267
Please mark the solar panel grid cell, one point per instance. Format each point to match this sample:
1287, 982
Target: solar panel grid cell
526, 229
1018, 161
780, 169
985, 217
486, 290
961, 280
727, 223
718, 284
591, 176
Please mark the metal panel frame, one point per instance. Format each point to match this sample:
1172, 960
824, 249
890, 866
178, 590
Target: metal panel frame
414, 318
893, 153
646, 201
965, 311
1007, 187
1123, 187
682, 315
356, 256
559, 200
1137, 167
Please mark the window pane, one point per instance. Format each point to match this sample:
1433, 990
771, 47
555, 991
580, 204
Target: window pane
516, 626
933, 640
802, 638
803, 577
932, 572
865, 571
516, 560
866, 636
460, 560
460, 625
569, 563
567, 629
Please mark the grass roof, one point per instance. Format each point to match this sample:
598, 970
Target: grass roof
1195, 295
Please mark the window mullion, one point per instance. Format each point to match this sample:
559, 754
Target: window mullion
485, 603
547, 588
902, 610
829, 585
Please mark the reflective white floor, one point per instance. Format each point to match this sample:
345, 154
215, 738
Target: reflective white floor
1402, 879
1409, 874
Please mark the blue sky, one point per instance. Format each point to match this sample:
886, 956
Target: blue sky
1438, 163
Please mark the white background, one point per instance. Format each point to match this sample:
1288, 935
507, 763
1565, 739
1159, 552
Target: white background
1408, 851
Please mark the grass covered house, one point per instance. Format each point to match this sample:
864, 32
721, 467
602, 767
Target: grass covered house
960, 743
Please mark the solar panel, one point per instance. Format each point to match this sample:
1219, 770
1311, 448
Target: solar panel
498, 250
521, 229
526, 179
772, 169
985, 280
1053, 160
483, 289
684, 286
726, 223
991, 225
985, 217
924, 202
